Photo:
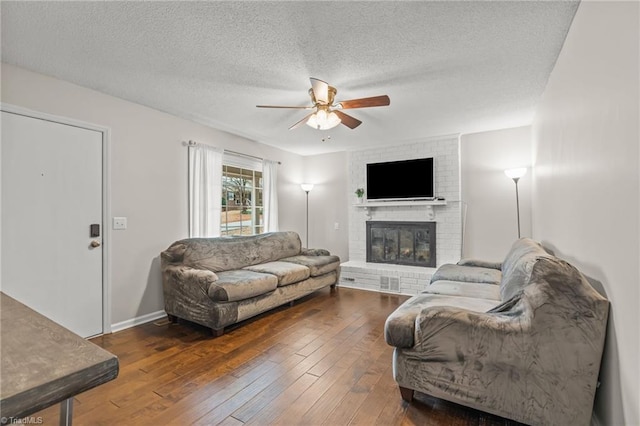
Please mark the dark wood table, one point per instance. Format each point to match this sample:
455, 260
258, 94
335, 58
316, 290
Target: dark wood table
43, 363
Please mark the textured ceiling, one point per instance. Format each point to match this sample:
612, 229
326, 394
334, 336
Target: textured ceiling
448, 67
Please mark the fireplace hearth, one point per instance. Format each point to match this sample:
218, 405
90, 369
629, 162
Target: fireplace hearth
402, 243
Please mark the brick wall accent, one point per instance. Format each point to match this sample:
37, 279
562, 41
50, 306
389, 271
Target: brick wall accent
446, 154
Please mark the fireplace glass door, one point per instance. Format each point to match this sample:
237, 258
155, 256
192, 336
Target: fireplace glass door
402, 243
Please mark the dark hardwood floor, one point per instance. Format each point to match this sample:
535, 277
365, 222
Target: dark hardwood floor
322, 361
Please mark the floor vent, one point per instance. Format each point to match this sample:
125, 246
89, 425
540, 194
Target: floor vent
384, 283
394, 284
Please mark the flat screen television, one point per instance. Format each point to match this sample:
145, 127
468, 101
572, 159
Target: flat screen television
400, 180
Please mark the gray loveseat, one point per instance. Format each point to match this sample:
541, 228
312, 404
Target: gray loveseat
217, 282
522, 339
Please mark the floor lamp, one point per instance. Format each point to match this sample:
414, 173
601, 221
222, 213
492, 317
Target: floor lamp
306, 187
516, 174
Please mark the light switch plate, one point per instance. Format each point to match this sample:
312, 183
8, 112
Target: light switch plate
119, 223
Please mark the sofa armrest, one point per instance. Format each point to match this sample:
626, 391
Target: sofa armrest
314, 252
451, 334
480, 263
186, 275
467, 274
185, 287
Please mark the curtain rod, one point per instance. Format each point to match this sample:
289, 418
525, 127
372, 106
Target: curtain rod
194, 143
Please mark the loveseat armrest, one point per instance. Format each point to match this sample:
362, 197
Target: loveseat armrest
314, 252
480, 263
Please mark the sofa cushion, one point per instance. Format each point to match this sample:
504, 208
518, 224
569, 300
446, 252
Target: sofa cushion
318, 265
517, 266
459, 288
399, 329
470, 274
227, 254
233, 286
287, 272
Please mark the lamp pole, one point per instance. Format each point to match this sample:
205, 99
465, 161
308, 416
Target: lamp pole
306, 187
516, 179
516, 174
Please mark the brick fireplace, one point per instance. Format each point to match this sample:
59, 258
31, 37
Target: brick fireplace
404, 277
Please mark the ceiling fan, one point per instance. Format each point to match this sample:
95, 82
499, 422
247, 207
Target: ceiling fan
326, 114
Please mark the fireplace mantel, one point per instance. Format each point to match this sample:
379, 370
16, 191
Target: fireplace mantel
368, 204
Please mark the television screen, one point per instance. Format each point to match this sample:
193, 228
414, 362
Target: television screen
400, 180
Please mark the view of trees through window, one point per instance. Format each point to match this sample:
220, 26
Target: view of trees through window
242, 202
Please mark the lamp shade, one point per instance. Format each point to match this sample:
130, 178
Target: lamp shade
516, 173
306, 187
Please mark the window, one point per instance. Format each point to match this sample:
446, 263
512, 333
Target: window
242, 200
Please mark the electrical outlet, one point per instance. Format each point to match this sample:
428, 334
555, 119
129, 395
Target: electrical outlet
336, 226
119, 223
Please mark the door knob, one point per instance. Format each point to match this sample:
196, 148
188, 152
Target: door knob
95, 243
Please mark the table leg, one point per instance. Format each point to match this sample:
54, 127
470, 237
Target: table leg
66, 412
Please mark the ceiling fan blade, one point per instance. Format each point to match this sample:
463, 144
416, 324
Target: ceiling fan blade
320, 90
348, 120
301, 122
279, 106
374, 101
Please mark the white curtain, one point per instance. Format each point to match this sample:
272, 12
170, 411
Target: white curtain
205, 190
270, 194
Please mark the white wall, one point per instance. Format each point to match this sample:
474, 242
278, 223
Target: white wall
328, 203
489, 196
148, 178
586, 193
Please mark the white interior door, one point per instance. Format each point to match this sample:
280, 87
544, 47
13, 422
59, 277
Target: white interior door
51, 195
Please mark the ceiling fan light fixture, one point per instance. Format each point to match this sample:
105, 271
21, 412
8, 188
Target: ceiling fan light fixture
328, 114
322, 120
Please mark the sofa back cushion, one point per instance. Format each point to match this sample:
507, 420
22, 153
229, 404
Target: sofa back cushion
517, 266
229, 253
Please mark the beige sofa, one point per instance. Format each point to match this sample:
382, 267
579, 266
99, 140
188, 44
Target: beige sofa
522, 339
217, 282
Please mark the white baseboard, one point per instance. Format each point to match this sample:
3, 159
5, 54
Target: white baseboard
375, 291
137, 321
